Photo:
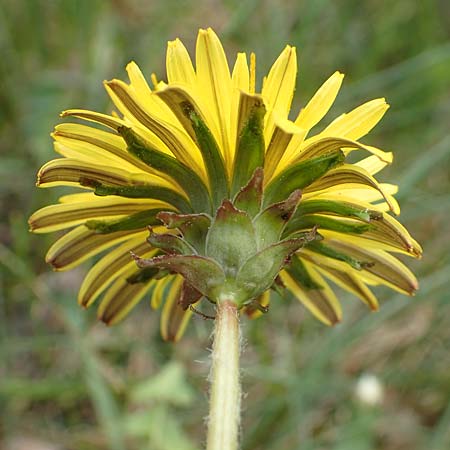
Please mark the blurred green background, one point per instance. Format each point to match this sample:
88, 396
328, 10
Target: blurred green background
68, 382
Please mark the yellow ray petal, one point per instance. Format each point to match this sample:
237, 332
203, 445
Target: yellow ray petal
240, 79
388, 234
138, 80
78, 197
241, 76
104, 119
314, 147
320, 103
173, 318
68, 214
120, 299
179, 65
358, 122
372, 164
277, 153
80, 244
322, 303
75, 136
92, 154
214, 83
386, 269
349, 176
351, 283
360, 194
139, 86
115, 122
345, 276
278, 88
114, 264
173, 136
72, 172
158, 292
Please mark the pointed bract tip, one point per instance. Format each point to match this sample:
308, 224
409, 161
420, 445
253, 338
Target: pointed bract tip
136, 258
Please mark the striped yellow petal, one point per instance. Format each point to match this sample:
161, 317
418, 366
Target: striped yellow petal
68, 214
351, 283
384, 236
389, 230
320, 103
386, 269
115, 123
140, 88
92, 116
80, 244
104, 142
120, 299
73, 172
158, 292
173, 318
111, 266
348, 176
173, 136
322, 303
360, 194
313, 147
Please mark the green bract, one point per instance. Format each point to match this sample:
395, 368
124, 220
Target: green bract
235, 255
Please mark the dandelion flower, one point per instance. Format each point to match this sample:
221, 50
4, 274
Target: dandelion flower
239, 199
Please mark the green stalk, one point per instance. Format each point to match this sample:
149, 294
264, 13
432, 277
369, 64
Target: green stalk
225, 400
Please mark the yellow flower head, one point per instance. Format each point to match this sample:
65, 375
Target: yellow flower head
239, 198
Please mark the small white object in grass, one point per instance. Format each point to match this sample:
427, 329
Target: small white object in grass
369, 389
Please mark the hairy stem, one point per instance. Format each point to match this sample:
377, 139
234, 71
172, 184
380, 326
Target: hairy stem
224, 414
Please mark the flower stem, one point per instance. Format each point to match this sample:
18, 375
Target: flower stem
225, 400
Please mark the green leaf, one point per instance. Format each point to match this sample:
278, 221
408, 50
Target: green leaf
144, 191
249, 198
201, 272
250, 146
168, 385
136, 221
231, 238
300, 175
270, 223
188, 180
194, 227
